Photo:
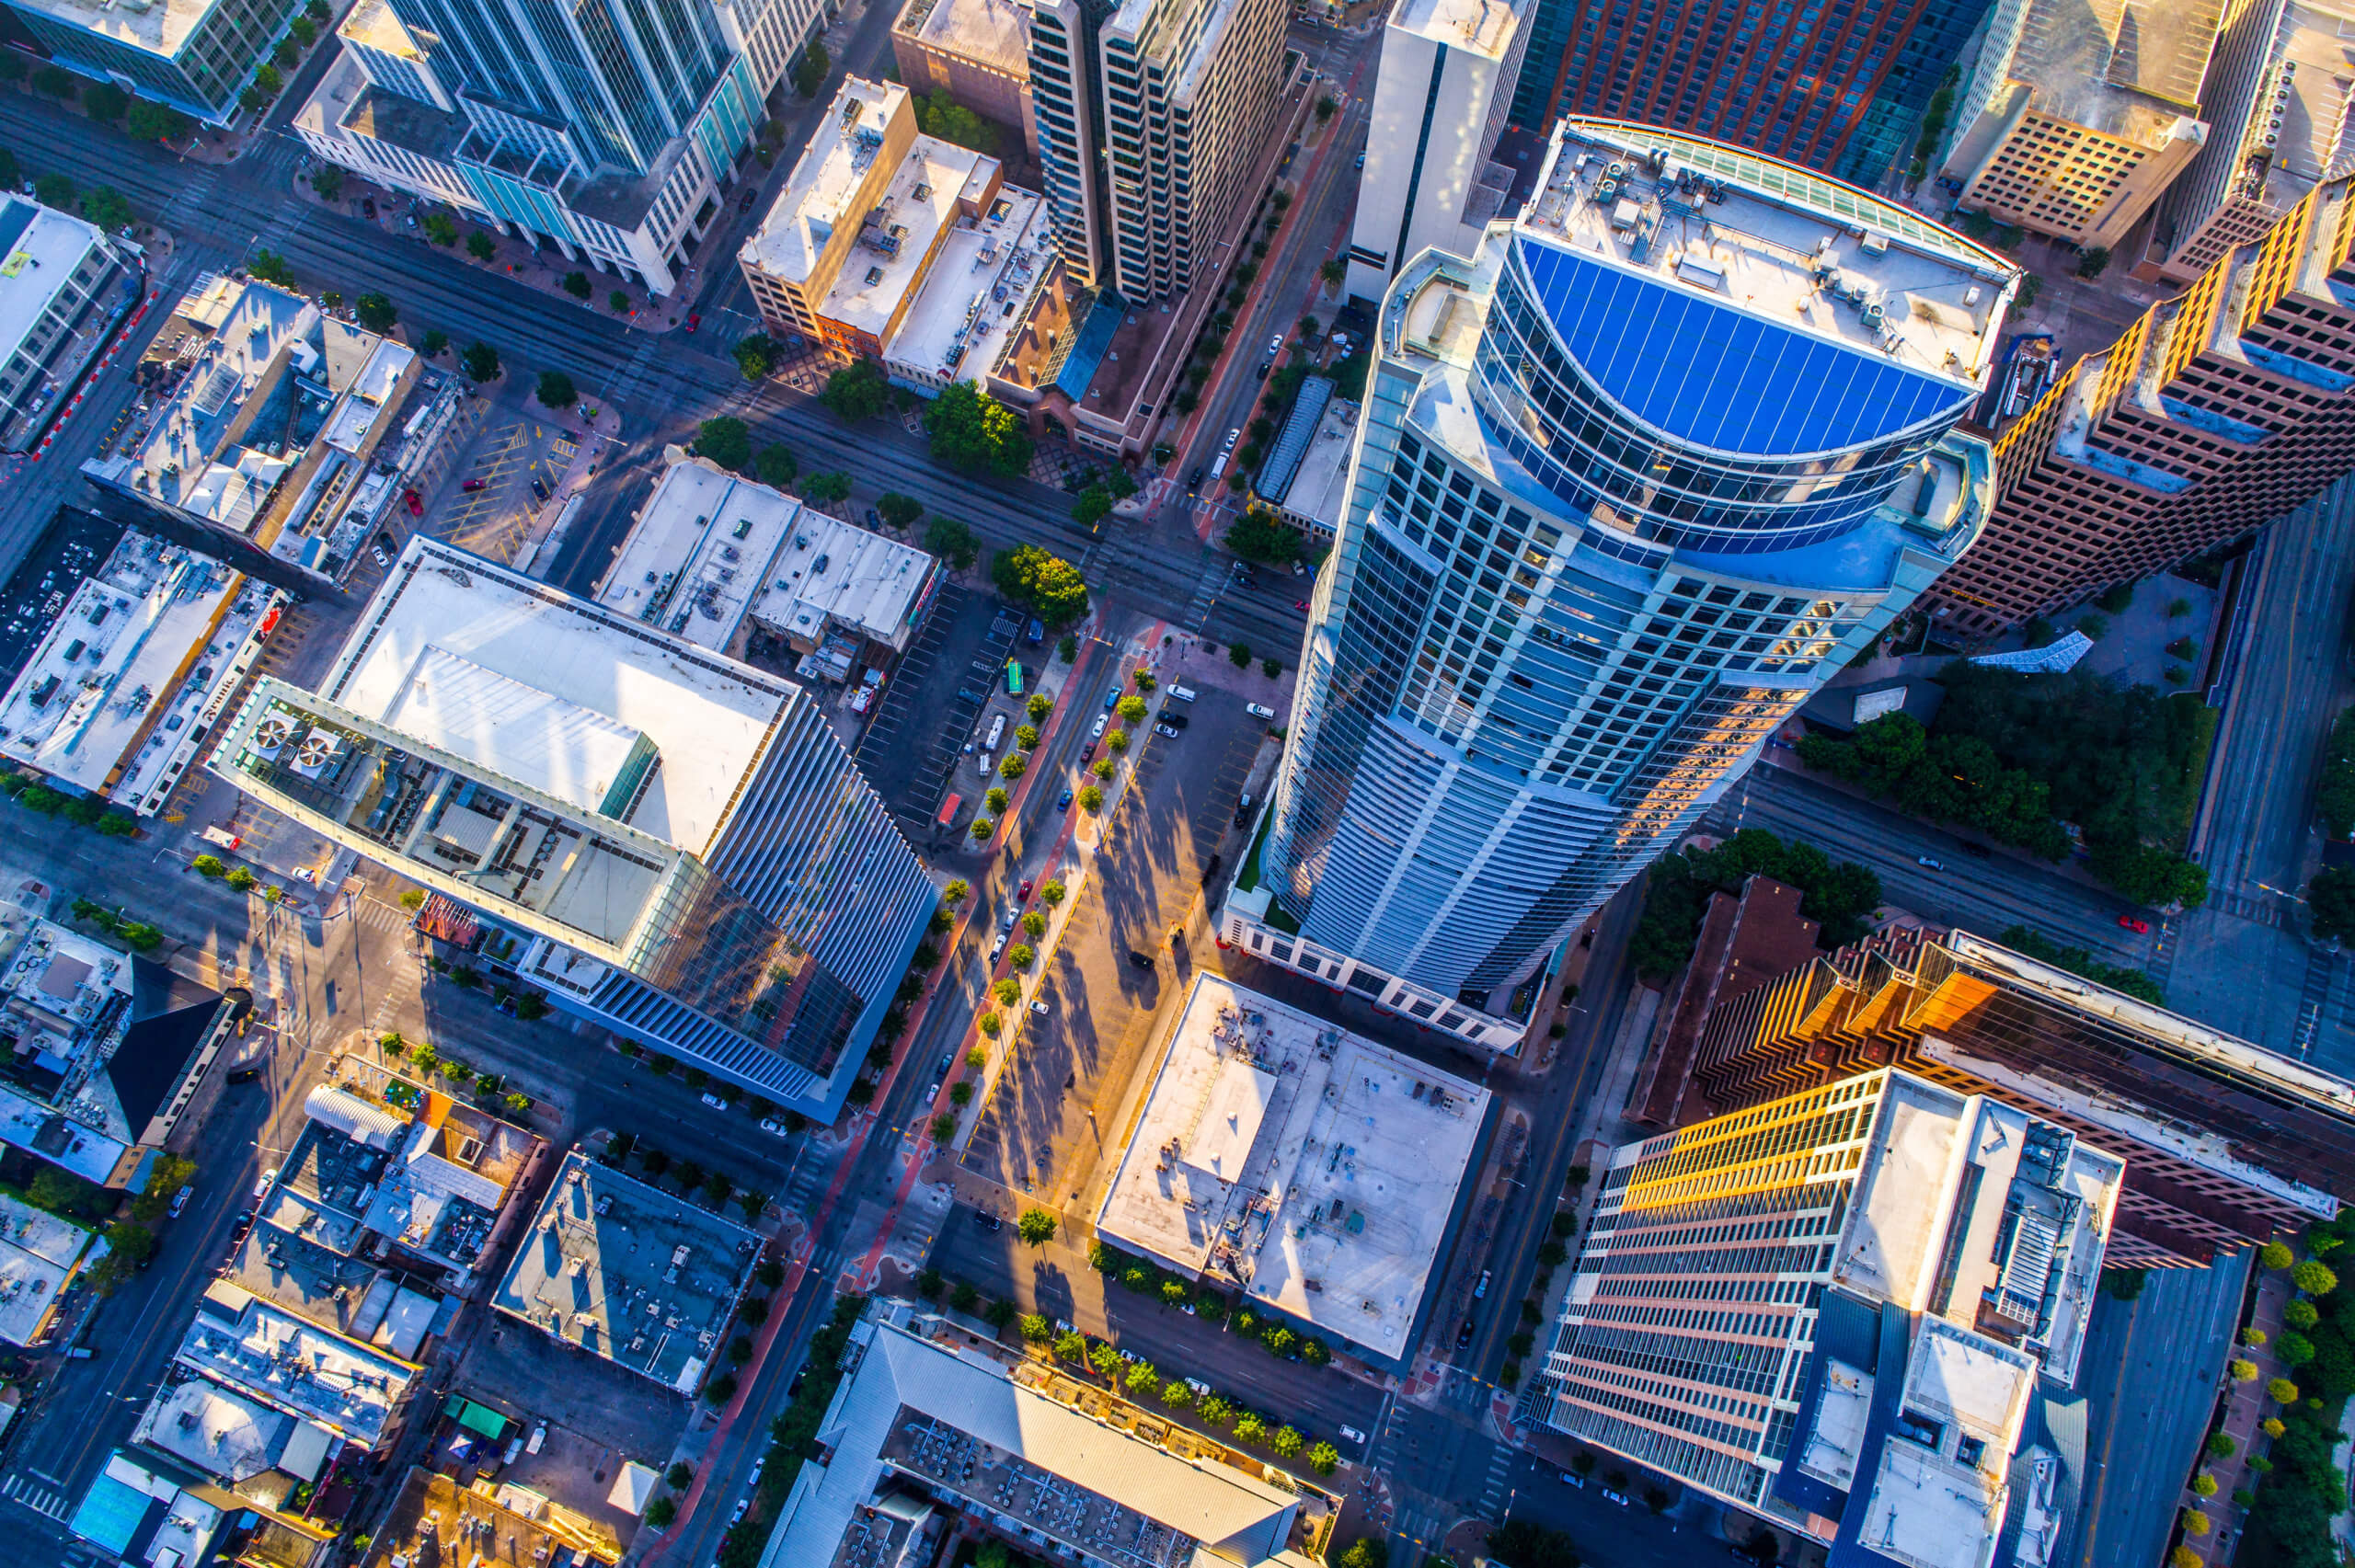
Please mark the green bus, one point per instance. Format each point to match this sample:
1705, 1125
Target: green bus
1013, 678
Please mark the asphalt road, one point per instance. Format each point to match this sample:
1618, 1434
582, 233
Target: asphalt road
1982, 894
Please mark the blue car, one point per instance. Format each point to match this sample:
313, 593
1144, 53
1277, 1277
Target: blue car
1111, 699
1062, 801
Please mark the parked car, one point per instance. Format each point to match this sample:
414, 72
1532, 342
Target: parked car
1480, 1291
1096, 731
771, 1125
1165, 729
1140, 960
1039, 1007
1006, 921
1243, 809
1062, 801
1022, 894
947, 1060
539, 488
180, 1201
716, 1101
995, 948
694, 321
1571, 1479
382, 558
1618, 1497
1464, 1335
1275, 345
473, 485
1111, 699
1175, 721
261, 1188
1257, 710
415, 503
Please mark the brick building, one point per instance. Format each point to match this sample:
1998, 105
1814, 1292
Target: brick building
2218, 411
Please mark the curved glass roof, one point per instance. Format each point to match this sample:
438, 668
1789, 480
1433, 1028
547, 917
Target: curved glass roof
1719, 377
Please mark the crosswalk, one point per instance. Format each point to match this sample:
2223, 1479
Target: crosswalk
34, 1494
1208, 586
1499, 1469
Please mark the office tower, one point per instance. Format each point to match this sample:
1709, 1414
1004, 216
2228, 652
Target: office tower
1441, 92
2276, 99
1632, 481
1841, 1302
2225, 1144
977, 51
66, 287
1841, 86
2075, 118
196, 55
604, 131
666, 841
2219, 410
1152, 118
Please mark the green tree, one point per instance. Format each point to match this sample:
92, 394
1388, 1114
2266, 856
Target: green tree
480, 246
480, 361
776, 466
305, 31
953, 542
2335, 790
974, 433
268, 267
828, 489
1037, 1227
1092, 504
2314, 1277
940, 115
1047, 585
434, 341
1324, 1459
377, 313
2330, 902
755, 356
556, 390
1260, 535
441, 228
156, 122
619, 301
577, 284
106, 206
810, 71
54, 189
857, 391
1677, 889
104, 101
2034, 944
725, 440
55, 82
1367, 1550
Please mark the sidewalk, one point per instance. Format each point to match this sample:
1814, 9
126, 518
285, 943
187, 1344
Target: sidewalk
2247, 1405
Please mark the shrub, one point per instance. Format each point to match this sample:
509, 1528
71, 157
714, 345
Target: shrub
2204, 1485
1177, 1395
2195, 1523
618, 303
1214, 1410
944, 1128
2314, 1277
2272, 1426
2221, 1446
1286, 1442
679, 1475
241, 879
1239, 655
1249, 1427
1091, 799
1022, 955
1324, 1459
2282, 1390
1143, 1379
2242, 1372
990, 1023
960, 1093
1052, 892
209, 865
2276, 1254
2300, 1315
2252, 1337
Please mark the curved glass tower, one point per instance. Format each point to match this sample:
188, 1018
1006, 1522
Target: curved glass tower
1631, 483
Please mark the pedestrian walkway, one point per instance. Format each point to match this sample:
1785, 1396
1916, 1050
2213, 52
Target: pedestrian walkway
40, 1498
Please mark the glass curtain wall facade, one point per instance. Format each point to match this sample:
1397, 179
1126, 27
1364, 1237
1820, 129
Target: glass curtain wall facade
1607, 528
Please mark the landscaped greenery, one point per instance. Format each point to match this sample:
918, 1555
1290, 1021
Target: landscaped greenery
2078, 961
944, 117
1838, 898
1045, 585
857, 391
2290, 1525
2334, 793
973, 432
2017, 756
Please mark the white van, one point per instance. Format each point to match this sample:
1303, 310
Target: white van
997, 729
1183, 693
983, 764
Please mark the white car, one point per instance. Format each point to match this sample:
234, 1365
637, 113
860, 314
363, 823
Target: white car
717, 1101
771, 1125
1095, 731
1352, 1434
1038, 1007
261, 1188
1275, 345
995, 948
1256, 710
180, 1201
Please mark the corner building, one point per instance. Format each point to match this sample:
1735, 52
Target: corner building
1632, 482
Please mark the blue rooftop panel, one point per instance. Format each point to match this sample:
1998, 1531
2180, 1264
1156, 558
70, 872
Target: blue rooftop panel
1721, 378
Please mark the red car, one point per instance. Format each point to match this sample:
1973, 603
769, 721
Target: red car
2135, 925
1300, 604
474, 485
694, 321
416, 507
1022, 894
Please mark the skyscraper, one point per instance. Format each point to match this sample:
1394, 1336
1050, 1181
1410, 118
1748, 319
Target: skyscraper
1849, 1302
2218, 411
664, 841
2226, 1145
1440, 98
1840, 87
1632, 481
1151, 117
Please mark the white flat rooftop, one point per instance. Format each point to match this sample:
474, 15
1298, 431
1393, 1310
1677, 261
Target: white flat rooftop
1941, 1490
1316, 1168
38, 1251
699, 552
276, 1357
218, 1430
897, 238
533, 737
1911, 1166
972, 296
1320, 491
160, 27
832, 573
818, 196
1779, 244
1479, 27
38, 262
127, 648
708, 717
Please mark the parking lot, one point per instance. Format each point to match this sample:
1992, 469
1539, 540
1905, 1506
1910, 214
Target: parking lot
509, 450
920, 729
1057, 1103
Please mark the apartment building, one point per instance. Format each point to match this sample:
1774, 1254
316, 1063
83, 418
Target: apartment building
679, 843
2076, 118
1443, 89
608, 137
196, 55
1844, 1310
66, 287
2219, 410
1840, 87
1632, 482
977, 51
2277, 98
2226, 1144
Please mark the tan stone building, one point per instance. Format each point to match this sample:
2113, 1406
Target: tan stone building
978, 52
2078, 116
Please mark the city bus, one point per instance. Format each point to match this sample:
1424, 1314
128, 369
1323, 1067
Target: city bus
1013, 678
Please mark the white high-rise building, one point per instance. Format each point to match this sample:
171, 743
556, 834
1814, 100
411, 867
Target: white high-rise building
1439, 101
1634, 479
